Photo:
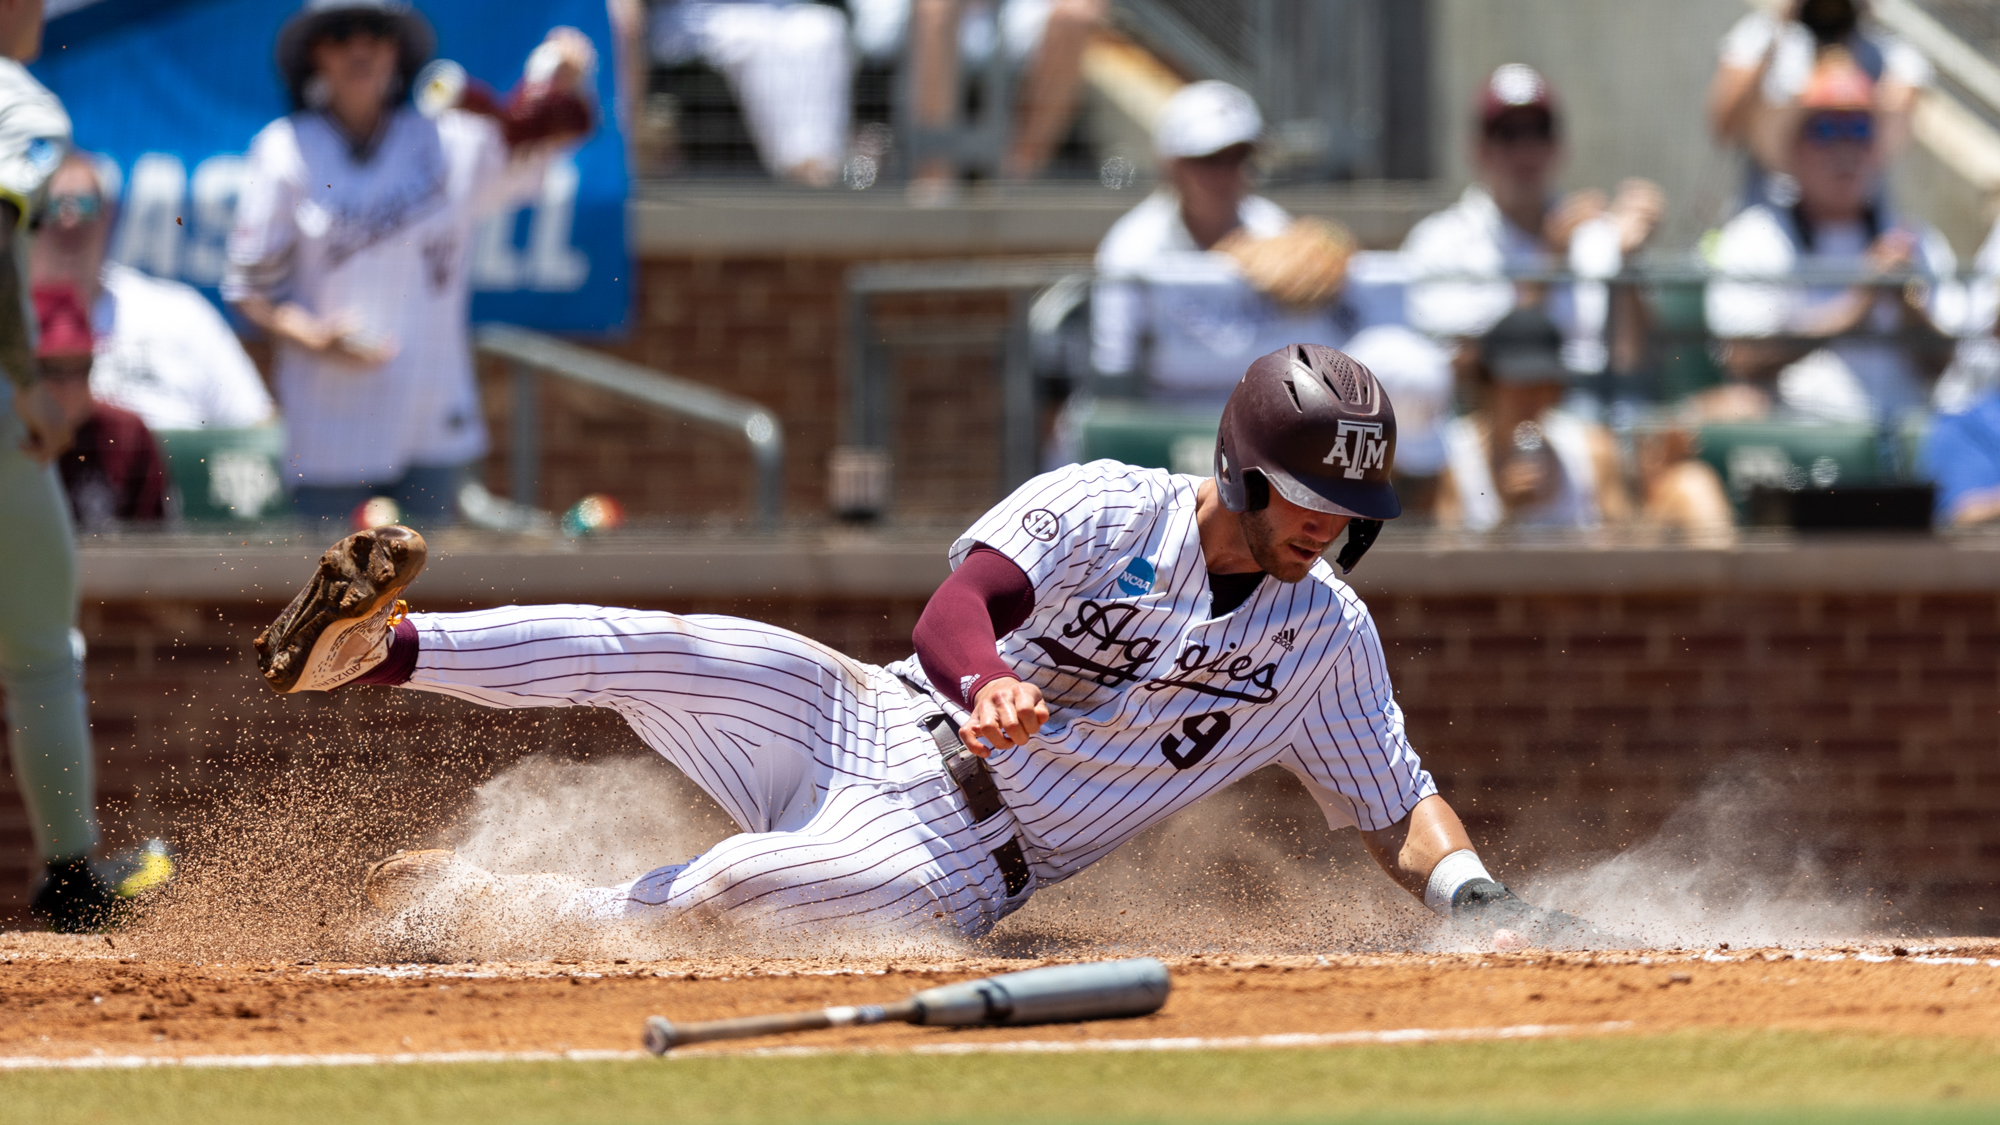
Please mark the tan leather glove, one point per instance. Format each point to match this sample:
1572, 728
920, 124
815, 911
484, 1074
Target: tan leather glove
1300, 268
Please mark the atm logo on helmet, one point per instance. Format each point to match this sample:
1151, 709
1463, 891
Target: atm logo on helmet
1357, 448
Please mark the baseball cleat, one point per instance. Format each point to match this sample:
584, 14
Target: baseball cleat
75, 899
338, 627
405, 879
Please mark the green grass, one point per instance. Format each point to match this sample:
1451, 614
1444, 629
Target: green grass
1708, 1078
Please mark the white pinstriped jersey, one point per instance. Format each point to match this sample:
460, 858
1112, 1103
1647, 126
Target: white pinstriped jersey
384, 245
1152, 705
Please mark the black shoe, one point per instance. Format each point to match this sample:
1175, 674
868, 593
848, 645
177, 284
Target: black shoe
76, 900
338, 627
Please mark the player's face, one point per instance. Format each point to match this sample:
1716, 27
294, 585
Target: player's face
1834, 161
67, 378
358, 63
1518, 154
1212, 187
1286, 539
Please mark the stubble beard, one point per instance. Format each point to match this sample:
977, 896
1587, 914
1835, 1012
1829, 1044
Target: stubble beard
1265, 545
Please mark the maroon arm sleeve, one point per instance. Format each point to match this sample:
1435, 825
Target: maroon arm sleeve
986, 598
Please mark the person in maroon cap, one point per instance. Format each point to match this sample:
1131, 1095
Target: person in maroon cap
113, 470
1510, 220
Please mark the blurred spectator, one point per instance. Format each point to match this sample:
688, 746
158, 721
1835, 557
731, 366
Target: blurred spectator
1509, 220
1519, 459
1767, 58
1186, 322
163, 352
1824, 351
352, 245
788, 63
1211, 324
113, 470
1418, 376
1962, 455
1678, 489
1044, 38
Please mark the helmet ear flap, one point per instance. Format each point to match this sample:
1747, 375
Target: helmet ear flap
1256, 490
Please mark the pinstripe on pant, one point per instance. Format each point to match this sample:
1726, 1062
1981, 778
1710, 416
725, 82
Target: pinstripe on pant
848, 818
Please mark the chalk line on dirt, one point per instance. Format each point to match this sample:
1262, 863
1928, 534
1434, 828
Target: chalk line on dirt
1000, 1047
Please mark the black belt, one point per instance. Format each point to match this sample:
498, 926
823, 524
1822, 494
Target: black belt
982, 797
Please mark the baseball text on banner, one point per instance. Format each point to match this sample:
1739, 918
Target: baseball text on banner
170, 92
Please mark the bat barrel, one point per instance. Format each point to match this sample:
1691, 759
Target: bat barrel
1100, 990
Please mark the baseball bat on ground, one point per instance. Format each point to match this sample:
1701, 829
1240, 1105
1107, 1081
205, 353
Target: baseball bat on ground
1098, 990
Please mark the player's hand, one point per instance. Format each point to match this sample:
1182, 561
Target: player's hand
1007, 713
1571, 212
1489, 914
1636, 212
1522, 479
563, 63
342, 341
1893, 251
48, 428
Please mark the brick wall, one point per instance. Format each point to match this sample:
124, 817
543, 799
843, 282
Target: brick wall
1558, 725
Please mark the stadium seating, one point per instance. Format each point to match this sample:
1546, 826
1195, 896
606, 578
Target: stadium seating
227, 476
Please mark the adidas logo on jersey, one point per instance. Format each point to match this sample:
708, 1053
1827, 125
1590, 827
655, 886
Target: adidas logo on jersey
1285, 638
965, 687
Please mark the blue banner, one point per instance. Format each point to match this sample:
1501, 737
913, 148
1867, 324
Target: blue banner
173, 90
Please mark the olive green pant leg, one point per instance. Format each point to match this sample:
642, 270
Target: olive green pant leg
41, 666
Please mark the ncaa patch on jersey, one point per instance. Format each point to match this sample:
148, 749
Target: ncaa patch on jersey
1137, 578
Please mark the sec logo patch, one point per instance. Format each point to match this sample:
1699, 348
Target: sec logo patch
1041, 524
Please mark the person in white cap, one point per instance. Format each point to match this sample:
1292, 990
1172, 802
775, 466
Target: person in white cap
1199, 278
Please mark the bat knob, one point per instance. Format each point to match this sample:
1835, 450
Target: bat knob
659, 1037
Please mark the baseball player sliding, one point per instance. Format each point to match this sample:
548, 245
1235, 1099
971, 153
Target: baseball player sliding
1114, 643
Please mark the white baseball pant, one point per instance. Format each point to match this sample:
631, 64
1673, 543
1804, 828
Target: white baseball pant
849, 819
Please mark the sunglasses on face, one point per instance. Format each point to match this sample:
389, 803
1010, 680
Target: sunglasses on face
1517, 132
62, 368
1832, 129
358, 26
1232, 157
78, 207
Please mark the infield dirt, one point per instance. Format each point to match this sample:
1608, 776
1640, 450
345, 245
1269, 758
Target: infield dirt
71, 997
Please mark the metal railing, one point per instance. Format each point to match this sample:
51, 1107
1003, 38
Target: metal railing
1029, 285
532, 352
870, 418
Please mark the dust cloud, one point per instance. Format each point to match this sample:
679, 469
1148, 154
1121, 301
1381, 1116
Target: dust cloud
600, 822
1253, 870
275, 872
1732, 865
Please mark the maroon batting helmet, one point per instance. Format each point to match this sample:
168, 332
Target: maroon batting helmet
1316, 426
